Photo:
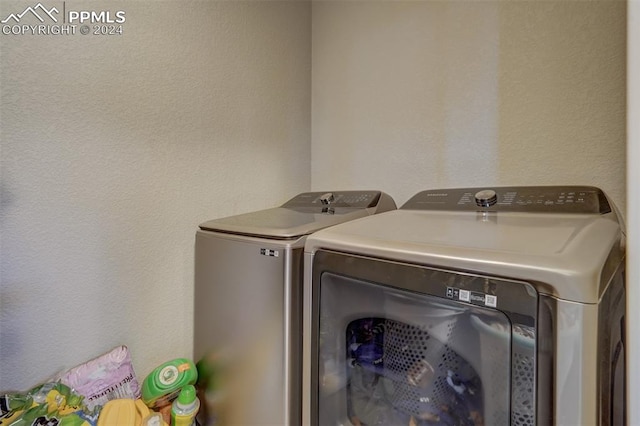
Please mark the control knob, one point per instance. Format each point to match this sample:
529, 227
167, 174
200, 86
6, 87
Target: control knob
486, 198
327, 198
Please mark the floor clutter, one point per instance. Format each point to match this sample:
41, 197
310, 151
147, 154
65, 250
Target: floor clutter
106, 392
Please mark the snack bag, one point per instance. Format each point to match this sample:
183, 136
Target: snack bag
106, 377
12, 405
49, 404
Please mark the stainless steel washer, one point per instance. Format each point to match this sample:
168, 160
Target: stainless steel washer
473, 306
248, 284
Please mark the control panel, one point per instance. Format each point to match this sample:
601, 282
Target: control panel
354, 199
534, 199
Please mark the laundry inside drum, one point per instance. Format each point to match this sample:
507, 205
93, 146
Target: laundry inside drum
400, 374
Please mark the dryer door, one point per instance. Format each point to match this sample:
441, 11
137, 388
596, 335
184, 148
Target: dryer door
397, 344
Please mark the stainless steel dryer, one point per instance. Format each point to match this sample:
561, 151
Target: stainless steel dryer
248, 283
500, 306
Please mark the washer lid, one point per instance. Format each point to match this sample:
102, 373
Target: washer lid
304, 214
570, 256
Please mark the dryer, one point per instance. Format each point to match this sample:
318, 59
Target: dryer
248, 308
469, 306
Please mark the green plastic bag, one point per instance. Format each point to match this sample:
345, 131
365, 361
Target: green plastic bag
49, 404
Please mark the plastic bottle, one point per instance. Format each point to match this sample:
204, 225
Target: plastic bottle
162, 385
185, 407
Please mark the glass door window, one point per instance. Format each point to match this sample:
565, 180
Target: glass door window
390, 357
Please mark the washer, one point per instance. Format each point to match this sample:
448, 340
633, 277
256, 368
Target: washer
248, 284
469, 306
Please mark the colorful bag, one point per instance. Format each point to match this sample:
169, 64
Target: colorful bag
49, 404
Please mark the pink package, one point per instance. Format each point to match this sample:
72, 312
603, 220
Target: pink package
109, 376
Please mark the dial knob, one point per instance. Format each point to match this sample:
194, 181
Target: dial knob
486, 198
327, 198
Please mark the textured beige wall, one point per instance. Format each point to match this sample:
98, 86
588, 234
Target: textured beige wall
422, 94
114, 149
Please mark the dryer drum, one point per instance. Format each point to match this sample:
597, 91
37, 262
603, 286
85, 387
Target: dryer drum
401, 374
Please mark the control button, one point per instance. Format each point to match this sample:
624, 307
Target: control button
327, 198
486, 198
